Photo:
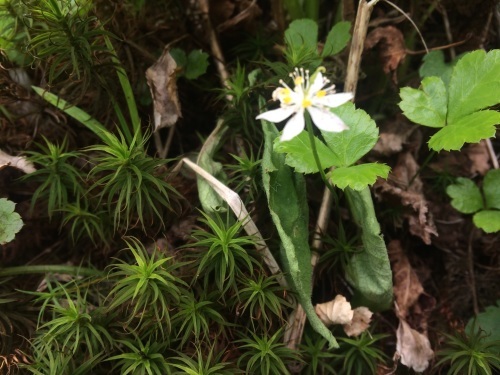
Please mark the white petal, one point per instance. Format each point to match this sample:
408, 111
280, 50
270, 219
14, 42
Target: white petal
318, 84
293, 127
326, 121
334, 100
276, 115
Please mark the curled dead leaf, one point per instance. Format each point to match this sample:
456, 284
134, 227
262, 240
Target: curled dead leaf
407, 286
18, 162
391, 46
163, 86
360, 321
413, 348
411, 196
337, 311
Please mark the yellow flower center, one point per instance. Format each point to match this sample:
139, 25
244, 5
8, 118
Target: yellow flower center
306, 103
321, 93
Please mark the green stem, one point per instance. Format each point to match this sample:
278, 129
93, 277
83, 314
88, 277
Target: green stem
51, 268
309, 128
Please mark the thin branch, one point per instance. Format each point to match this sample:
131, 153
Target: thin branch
237, 206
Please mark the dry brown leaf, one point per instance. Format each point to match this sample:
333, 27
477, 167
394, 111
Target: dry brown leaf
360, 322
337, 311
393, 135
391, 46
411, 196
18, 162
407, 286
479, 157
163, 86
413, 348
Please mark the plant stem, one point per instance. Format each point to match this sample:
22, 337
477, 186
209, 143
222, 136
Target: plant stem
51, 268
314, 149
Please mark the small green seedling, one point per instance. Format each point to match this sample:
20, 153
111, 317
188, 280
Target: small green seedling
467, 198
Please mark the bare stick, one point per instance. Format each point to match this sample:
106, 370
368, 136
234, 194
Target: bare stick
236, 204
491, 153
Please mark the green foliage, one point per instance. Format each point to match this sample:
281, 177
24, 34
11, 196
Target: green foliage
286, 197
68, 39
265, 355
191, 65
224, 254
359, 356
149, 287
487, 321
459, 108
139, 358
10, 221
14, 31
337, 39
466, 198
434, 66
317, 357
73, 325
470, 354
86, 221
341, 150
369, 271
245, 174
194, 318
339, 250
59, 363
60, 180
210, 200
260, 298
130, 182
301, 39
211, 365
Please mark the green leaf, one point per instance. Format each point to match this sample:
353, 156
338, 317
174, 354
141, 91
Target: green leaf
10, 221
488, 322
78, 114
286, 196
197, 64
426, 106
300, 155
487, 220
369, 271
351, 145
434, 66
358, 177
474, 84
469, 129
465, 196
337, 39
211, 202
179, 56
491, 189
302, 34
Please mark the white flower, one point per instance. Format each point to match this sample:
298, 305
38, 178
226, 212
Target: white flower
308, 94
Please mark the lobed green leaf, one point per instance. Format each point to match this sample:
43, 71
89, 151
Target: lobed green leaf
474, 84
337, 39
466, 196
487, 220
358, 177
350, 145
10, 221
426, 106
299, 154
491, 189
469, 129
